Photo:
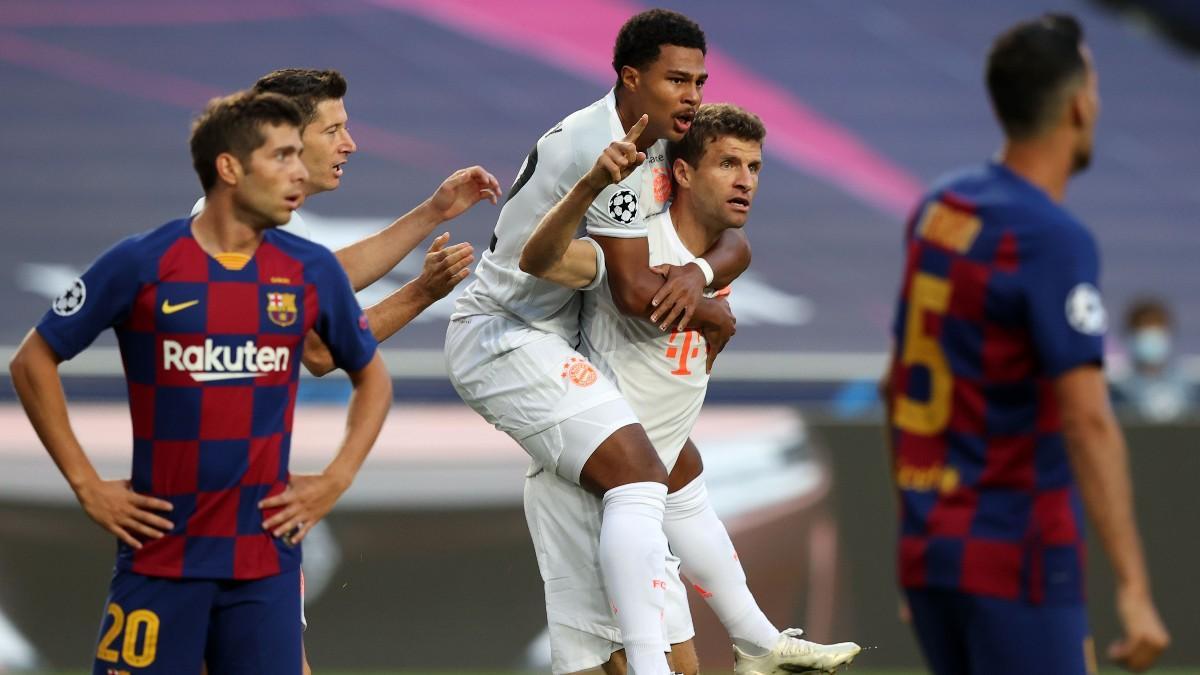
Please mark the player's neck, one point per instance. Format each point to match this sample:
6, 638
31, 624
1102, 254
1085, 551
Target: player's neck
1045, 162
628, 113
222, 228
696, 237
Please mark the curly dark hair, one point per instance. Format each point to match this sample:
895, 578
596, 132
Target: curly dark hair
234, 124
640, 39
1030, 70
306, 86
713, 121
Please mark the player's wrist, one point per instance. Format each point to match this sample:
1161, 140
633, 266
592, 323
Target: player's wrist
705, 269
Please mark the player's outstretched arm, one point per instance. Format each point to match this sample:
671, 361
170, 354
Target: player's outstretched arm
309, 497
1101, 464
112, 504
445, 267
367, 260
551, 253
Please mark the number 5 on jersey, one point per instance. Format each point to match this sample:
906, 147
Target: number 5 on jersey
927, 294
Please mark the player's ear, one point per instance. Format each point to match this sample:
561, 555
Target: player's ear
630, 77
229, 168
683, 173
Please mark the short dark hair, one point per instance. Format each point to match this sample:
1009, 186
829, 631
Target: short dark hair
306, 86
1028, 70
640, 39
234, 124
713, 121
1147, 310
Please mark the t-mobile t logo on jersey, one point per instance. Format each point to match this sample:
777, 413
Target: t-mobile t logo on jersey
223, 362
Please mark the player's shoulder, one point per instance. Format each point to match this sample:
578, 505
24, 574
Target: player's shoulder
586, 131
150, 244
314, 257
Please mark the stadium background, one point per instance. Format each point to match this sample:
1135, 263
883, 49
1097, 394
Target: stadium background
427, 564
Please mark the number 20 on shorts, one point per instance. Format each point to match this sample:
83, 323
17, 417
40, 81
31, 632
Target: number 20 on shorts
140, 644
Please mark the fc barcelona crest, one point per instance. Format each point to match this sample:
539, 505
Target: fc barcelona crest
281, 308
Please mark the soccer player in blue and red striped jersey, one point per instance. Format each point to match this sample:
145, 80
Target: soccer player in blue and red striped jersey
210, 314
1000, 424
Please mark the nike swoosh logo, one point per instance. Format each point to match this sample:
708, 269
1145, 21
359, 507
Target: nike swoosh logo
168, 308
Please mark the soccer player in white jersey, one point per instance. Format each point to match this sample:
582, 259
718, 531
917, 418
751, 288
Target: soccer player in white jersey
664, 377
327, 148
328, 145
511, 343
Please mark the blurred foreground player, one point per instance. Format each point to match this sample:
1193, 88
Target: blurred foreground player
210, 315
1000, 423
664, 378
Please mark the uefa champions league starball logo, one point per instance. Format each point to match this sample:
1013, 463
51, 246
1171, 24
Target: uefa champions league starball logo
623, 206
71, 299
1085, 310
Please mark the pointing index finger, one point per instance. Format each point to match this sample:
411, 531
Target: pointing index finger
637, 129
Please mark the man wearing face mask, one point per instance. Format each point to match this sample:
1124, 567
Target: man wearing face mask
1155, 386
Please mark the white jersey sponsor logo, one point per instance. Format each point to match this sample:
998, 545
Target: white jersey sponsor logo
661, 375
210, 362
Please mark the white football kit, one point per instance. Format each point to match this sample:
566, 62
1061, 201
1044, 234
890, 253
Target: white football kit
662, 376
511, 343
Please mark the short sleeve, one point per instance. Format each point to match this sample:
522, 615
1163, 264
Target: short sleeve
595, 283
1066, 314
616, 212
96, 301
341, 322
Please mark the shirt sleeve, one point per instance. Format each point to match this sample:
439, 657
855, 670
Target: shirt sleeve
94, 302
341, 322
616, 212
1066, 314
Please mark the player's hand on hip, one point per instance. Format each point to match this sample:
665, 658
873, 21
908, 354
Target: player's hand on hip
675, 302
462, 190
619, 159
1145, 635
117, 508
307, 499
719, 335
445, 267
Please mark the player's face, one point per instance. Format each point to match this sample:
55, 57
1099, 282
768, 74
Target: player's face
272, 185
669, 91
1091, 110
723, 186
327, 146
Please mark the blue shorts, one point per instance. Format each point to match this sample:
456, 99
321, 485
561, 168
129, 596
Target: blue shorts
963, 634
155, 626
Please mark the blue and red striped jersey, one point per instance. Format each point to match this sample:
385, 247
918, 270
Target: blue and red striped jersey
211, 349
999, 296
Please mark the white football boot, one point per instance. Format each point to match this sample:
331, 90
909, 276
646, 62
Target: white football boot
794, 656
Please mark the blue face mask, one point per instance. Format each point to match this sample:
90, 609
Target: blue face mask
1151, 346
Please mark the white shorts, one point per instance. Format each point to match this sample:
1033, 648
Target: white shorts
531, 391
564, 522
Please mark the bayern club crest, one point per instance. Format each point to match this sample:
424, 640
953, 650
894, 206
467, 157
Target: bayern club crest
281, 308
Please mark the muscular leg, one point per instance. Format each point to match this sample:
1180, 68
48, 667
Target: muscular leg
625, 470
700, 540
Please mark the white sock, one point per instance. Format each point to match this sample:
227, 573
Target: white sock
633, 558
700, 540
